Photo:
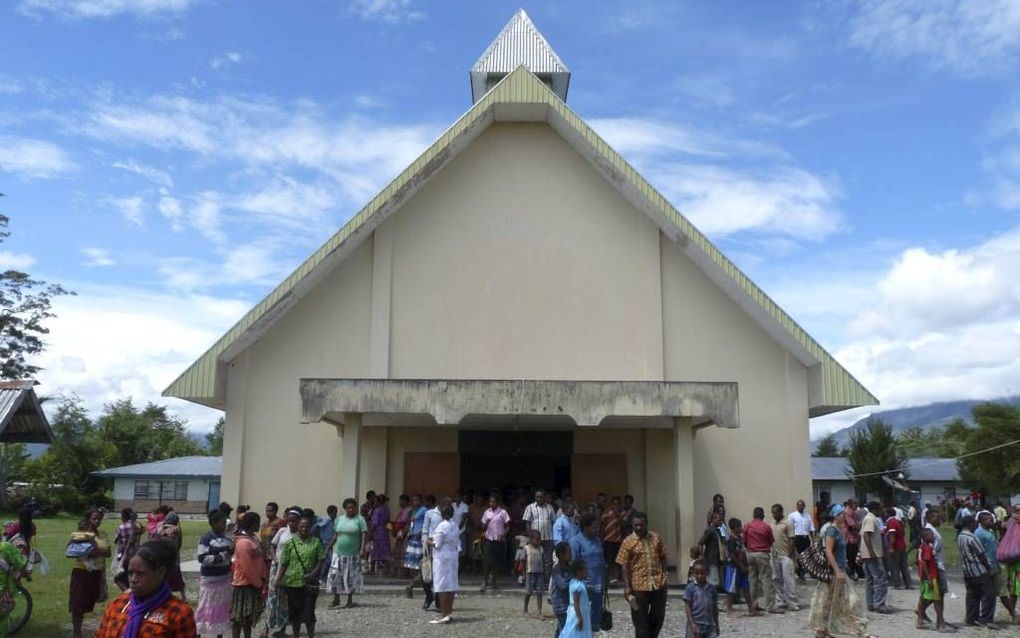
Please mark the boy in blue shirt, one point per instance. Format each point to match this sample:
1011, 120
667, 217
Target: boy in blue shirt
702, 605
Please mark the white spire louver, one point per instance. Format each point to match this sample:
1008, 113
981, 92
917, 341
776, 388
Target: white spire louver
519, 43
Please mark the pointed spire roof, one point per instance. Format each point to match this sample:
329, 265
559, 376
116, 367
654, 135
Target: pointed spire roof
519, 43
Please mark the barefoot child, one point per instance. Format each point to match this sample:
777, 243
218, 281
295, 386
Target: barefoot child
736, 570
930, 590
559, 585
702, 605
534, 569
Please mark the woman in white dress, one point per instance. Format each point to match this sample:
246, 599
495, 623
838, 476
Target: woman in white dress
445, 563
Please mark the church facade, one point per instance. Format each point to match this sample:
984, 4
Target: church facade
520, 307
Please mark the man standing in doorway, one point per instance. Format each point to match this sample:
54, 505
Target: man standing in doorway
540, 516
642, 561
803, 526
495, 525
874, 566
758, 541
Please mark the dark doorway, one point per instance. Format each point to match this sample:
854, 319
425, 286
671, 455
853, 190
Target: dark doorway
499, 459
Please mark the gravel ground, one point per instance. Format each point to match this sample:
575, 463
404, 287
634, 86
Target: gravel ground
390, 614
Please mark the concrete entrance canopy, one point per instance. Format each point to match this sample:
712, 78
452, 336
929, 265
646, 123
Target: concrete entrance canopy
587, 403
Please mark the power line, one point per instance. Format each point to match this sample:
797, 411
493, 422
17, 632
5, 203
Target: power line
908, 468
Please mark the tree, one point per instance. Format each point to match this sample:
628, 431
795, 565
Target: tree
214, 439
24, 308
141, 436
995, 471
872, 454
918, 441
64, 472
828, 446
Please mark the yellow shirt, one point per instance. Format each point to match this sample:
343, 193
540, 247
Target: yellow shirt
93, 564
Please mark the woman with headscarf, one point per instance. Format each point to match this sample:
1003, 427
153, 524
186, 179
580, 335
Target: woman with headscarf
170, 529
378, 525
212, 616
445, 564
836, 608
349, 545
88, 576
148, 608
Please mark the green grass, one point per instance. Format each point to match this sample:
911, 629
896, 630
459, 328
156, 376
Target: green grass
50, 618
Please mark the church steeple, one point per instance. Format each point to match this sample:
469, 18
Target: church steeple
519, 43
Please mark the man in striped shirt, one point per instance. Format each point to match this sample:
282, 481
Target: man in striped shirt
540, 516
977, 576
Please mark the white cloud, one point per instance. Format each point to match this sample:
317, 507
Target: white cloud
170, 208
205, 216
110, 343
936, 326
706, 89
15, 261
287, 199
155, 175
391, 11
98, 257
698, 171
229, 58
130, 208
103, 8
33, 158
959, 35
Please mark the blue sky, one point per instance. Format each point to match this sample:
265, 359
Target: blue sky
172, 160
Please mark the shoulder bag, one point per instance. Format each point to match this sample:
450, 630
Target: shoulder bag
607, 615
814, 561
1009, 547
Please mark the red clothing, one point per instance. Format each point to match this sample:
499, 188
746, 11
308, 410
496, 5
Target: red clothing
894, 531
926, 567
173, 620
758, 536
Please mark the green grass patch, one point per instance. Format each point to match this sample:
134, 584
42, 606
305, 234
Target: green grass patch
50, 618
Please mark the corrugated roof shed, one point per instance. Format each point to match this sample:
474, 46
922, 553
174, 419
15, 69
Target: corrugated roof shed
921, 469
180, 467
22, 419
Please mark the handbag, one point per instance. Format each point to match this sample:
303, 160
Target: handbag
81, 545
607, 615
1009, 547
814, 561
426, 565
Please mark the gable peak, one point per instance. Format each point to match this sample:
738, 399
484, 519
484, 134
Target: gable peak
520, 43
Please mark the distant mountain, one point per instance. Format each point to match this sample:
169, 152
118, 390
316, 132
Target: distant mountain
924, 416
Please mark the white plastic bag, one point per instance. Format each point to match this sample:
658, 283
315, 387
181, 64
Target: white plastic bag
42, 566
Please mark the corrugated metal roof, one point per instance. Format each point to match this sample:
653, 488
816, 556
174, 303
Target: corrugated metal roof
22, 419
180, 467
920, 469
519, 43
840, 390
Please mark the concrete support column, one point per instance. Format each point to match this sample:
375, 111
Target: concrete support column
374, 461
660, 488
350, 457
686, 516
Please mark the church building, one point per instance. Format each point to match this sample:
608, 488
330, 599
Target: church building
520, 307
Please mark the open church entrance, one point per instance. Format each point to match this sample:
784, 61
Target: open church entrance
502, 459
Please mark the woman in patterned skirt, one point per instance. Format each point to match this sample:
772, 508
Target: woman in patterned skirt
345, 576
249, 577
400, 525
212, 616
414, 549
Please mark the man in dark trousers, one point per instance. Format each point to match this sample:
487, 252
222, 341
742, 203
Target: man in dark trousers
642, 561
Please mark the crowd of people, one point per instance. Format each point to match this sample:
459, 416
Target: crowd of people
264, 574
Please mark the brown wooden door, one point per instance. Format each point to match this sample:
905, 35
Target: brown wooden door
435, 473
594, 473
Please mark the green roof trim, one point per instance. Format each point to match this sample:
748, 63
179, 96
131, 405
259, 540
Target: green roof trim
839, 389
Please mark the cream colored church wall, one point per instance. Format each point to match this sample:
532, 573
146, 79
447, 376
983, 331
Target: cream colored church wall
519, 261
325, 335
414, 439
708, 338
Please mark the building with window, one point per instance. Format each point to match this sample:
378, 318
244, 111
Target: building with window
520, 308
189, 484
925, 479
